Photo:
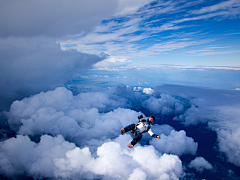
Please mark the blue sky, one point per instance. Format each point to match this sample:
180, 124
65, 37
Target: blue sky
191, 33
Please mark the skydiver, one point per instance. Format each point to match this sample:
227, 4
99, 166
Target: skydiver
142, 126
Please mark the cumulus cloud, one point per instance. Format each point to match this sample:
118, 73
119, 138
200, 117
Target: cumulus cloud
200, 164
126, 92
20, 155
193, 116
164, 105
228, 143
217, 108
175, 142
83, 138
84, 118
88, 124
171, 142
75, 117
29, 66
53, 157
137, 89
137, 174
226, 124
148, 90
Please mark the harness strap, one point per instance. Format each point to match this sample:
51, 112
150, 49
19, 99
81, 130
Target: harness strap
138, 125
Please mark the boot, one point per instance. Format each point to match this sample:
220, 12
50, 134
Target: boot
122, 131
130, 145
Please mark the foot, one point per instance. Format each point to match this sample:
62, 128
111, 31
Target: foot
122, 131
130, 146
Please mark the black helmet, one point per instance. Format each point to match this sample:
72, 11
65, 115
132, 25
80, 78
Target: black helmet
152, 118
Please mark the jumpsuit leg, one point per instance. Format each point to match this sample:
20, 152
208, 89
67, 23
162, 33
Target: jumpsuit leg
136, 139
129, 127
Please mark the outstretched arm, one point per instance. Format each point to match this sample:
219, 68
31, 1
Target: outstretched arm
153, 135
142, 116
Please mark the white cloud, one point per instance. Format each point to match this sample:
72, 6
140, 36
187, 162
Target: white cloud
137, 89
137, 174
173, 45
151, 163
111, 62
86, 138
229, 4
193, 116
228, 131
59, 112
200, 164
164, 105
162, 129
175, 143
107, 42
53, 157
107, 69
218, 108
148, 90
20, 155
175, 67
87, 126
228, 143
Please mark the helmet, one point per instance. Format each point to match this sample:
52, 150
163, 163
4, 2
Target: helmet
152, 118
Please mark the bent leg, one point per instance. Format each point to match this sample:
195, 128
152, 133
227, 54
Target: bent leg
136, 139
129, 127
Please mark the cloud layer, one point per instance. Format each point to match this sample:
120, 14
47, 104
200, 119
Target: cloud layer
53, 157
217, 108
175, 143
164, 105
88, 124
80, 132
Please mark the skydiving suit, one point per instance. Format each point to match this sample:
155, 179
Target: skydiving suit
141, 127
